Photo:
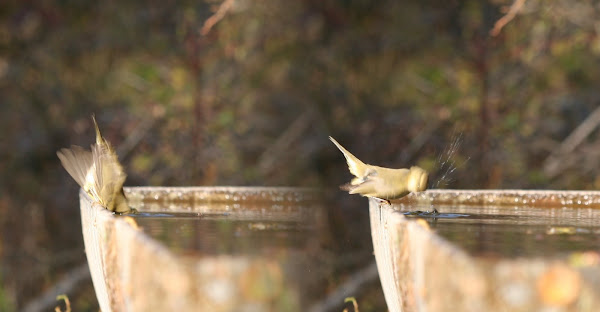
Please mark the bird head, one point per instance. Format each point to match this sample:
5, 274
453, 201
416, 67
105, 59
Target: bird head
417, 179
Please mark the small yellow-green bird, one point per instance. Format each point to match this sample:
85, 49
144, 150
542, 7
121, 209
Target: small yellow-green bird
98, 172
382, 183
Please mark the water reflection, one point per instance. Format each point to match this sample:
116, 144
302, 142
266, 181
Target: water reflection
517, 231
226, 233
262, 245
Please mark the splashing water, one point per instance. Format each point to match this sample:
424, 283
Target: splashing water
446, 163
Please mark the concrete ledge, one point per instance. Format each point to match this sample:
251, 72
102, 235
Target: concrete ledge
507, 197
133, 272
421, 271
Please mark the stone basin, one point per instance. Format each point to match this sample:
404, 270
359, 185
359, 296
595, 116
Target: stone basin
207, 249
489, 250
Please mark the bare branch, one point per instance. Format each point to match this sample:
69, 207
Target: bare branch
355, 283
294, 131
557, 161
512, 12
66, 285
215, 18
136, 136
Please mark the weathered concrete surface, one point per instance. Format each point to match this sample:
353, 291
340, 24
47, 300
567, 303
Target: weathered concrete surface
420, 271
133, 272
536, 198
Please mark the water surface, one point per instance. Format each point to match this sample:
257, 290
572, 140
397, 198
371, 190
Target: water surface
226, 233
516, 231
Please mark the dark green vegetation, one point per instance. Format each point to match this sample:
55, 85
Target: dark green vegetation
253, 101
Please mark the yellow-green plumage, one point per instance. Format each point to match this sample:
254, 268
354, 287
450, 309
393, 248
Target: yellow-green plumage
98, 172
380, 182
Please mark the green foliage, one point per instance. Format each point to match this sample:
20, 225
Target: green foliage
252, 102
6, 302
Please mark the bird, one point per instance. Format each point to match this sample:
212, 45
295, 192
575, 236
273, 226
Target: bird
98, 172
381, 183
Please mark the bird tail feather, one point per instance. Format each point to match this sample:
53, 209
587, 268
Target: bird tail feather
355, 165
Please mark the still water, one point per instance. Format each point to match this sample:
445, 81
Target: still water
226, 233
241, 248
230, 221
516, 231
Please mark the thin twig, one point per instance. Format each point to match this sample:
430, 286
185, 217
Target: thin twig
271, 156
555, 163
419, 141
215, 18
512, 12
354, 303
67, 303
136, 136
65, 286
357, 281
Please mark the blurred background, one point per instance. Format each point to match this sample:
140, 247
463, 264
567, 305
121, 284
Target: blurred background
246, 92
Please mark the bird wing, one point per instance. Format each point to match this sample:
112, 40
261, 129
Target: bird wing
77, 161
109, 175
365, 186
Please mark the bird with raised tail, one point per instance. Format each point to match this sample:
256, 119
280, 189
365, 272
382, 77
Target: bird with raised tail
379, 182
98, 172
